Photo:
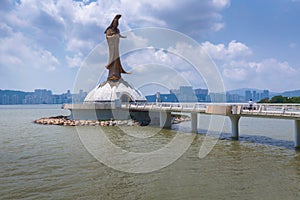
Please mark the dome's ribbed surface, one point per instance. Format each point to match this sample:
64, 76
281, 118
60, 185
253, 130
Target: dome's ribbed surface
112, 91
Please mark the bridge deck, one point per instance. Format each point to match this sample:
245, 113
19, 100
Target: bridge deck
282, 111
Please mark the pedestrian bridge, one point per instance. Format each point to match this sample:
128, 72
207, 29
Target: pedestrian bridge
233, 110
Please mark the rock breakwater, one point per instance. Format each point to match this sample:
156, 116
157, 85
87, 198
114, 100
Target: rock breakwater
65, 121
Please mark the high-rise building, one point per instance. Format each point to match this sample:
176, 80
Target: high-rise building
186, 94
42, 96
234, 98
201, 91
217, 97
254, 95
248, 95
265, 94
174, 91
201, 94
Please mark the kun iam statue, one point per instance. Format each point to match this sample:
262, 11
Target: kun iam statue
114, 63
105, 100
114, 89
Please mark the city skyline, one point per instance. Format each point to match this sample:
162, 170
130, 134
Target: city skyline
253, 43
39, 96
181, 94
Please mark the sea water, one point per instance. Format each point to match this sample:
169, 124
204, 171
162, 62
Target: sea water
51, 162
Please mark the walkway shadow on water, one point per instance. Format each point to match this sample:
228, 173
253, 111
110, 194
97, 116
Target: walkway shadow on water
258, 139
255, 139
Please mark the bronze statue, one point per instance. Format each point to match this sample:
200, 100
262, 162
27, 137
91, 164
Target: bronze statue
114, 63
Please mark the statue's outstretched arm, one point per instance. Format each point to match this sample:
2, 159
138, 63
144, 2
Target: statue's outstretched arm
122, 36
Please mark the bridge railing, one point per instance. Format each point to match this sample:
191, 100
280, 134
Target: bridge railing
163, 106
195, 107
292, 109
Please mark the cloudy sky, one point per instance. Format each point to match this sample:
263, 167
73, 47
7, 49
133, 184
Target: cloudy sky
254, 44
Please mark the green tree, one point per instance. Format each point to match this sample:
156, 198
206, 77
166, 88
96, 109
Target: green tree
264, 100
294, 100
279, 99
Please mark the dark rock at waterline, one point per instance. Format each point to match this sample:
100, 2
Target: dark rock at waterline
142, 118
136, 120
64, 121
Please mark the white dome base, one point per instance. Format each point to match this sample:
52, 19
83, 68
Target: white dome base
110, 91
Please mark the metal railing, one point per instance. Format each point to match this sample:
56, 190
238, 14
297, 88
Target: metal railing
292, 109
165, 106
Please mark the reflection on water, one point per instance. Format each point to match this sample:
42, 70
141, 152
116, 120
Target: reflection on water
42, 162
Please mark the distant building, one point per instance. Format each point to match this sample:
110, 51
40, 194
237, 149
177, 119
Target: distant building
256, 96
201, 91
201, 94
158, 99
163, 98
78, 98
5, 99
217, 97
39, 96
183, 94
11, 97
174, 91
265, 94
234, 98
186, 94
248, 95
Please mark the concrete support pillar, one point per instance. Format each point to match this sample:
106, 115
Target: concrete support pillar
165, 119
297, 134
235, 126
194, 122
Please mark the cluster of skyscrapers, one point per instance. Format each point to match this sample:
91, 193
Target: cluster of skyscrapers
39, 96
188, 94
182, 94
256, 96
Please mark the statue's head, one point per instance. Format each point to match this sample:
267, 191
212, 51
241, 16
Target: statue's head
115, 22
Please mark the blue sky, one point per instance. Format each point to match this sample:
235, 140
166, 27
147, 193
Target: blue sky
254, 44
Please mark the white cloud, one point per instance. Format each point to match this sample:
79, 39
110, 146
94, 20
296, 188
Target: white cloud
80, 25
76, 44
221, 3
239, 70
48, 35
272, 65
236, 74
75, 61
5, 30
188, 62
221, 52
191, 17
24, 65
18, 53
44, 36
88, 13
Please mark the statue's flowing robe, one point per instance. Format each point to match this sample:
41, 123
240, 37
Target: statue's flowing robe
114, 63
